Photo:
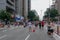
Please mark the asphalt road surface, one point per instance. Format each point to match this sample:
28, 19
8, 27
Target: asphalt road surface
24, 34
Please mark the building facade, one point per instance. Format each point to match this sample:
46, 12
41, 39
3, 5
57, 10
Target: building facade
8, 5
29, 5
18, 7
25, 8
57, 28
57, 5
22, 7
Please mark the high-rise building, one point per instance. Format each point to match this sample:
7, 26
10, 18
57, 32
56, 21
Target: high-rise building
8, 5
29, 5
57, 5
53, 1
20, 7
24, 8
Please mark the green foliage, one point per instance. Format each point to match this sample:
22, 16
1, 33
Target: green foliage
36, 18
31, 15
4, 15
54, 19
51, 13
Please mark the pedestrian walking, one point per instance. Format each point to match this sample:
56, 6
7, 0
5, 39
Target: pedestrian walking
25, 23
33, 27
42, 24
36, 23
8, 24
30, 26
39, 24
50, 29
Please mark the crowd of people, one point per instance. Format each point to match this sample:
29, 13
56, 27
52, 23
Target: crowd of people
40, 24
37, 24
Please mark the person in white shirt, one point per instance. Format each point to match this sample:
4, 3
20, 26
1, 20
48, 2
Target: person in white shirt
30, 26
51, 28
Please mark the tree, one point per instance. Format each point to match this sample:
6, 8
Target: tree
36, 18
5, 15
51, 13
31, 15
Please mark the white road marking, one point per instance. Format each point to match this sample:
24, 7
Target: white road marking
3, 36
56, 36
27, 37
4, 30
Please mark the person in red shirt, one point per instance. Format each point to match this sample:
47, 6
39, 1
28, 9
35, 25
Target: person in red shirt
42, 24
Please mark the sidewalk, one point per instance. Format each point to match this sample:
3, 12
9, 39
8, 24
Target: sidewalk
45, 35
40, 34
11, 27
57, 37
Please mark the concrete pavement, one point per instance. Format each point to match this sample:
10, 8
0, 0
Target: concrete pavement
16, 34
10, 28
24, 34
40, 35
57, 37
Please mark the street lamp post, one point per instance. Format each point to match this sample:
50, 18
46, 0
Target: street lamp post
58, 26
49, 10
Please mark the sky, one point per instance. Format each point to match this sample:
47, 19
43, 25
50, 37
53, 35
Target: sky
40, 6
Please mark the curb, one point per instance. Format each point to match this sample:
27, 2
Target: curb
57, 37
11, 28
2, 29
